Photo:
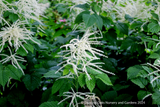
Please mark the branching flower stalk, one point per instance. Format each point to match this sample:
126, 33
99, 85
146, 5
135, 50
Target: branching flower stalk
14, 59
80, 54
74, 95
154, 72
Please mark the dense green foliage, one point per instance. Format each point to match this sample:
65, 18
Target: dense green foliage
130, 43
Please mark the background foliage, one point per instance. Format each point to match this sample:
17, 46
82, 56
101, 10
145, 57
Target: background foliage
131, 44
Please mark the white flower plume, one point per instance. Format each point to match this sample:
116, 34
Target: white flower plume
14, 59
31, 9
80, 54
15, 35
134, 8
3, 7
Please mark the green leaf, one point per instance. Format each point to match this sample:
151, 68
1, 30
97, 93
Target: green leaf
109, 96
156, 97
16, 98
21, 51
123, 97
153, 27
154, 56
149, 70
50, 104
141, 82
51, 74
127, 43
4, 76
36, 40
156, 62
57, 85
118, 87
79, 17
101, 85
104, 77
31, 81
132, 72
13, 17
89, 20
90, 83
66, 87
46, 95
99, 21
92, 70
14, 72
81, 80
106, 22
29, 47
122, 27
141, 94
155, 15
83, 6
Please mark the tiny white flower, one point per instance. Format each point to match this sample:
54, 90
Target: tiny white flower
14, 59
15, 35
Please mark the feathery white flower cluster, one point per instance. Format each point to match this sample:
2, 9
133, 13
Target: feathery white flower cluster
80, 54
3, 8
136, 9
31, 9
87, 96
17, 34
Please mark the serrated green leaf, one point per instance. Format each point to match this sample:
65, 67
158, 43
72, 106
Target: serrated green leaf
4, 76
81, 80
65, 71
118, 87
141, 82
104, 77
31, 81
132, 72
156, 97
122, 27
50, 104
106, 22
90, 83
66, 87
92, 70
109, 96
21, 52
13, 17
155, 15
157, 62
51, 74
83, 6
29, 47
14, 72
89, 20
141, 94
99, 21
79, 17
57, 85
154, 56
153, 27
